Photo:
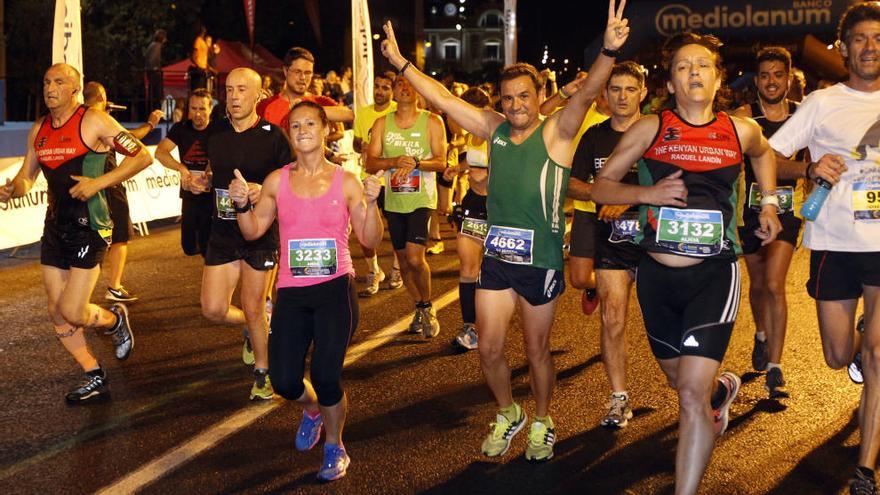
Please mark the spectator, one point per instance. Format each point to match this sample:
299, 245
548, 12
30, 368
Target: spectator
153, 69
198, 71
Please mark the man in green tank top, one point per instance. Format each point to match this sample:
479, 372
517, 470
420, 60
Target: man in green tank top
529, 163
409, 144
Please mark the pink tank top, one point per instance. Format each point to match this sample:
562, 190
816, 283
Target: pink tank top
313, 233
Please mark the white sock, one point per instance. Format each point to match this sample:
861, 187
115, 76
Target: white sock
770, 366
762, 336
623, 394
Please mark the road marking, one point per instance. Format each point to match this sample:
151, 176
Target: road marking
213, 435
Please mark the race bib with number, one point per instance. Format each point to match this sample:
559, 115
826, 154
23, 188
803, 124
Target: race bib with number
785, 195
625, 227
510, 244
225, 206
866, 200
411, 183
312, 257
690, 232
474, 227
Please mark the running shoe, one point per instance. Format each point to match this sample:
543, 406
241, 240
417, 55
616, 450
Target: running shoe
335, 464
309, 432
541, 440
120, 334
854, 370
619, 412
437, 248
501, 432
430, 324
775, 384
396, 280
262, 388
760, 355
860, 484
120, 295
721, 414
247, 351
94, 386
416, 325
466, 338
589, 301
373, 281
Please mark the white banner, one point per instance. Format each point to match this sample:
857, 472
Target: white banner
361, 54
152, 194
67, 36
509, 32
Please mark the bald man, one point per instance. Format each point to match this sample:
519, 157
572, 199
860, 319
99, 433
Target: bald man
255, 147
71, 146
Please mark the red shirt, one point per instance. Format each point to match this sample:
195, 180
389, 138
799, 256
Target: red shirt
276, 108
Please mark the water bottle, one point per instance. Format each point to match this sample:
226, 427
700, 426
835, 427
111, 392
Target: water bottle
811, 207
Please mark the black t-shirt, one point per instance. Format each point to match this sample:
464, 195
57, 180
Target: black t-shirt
192, 146
594, 148
255, 152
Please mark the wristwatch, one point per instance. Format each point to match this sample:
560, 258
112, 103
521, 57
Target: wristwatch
244, 209
418, 162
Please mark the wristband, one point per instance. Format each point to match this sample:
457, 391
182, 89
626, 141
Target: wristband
403, 69
610, 53
770, 199
807, 170
418, 162
563, 94
244, 209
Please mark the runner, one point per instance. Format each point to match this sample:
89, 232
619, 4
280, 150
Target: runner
95, 96
256, 147
529, 161
768, 265
839, 126
688, 285
409, 145
470, 218
364, 117
71, 146
616, 258
190, 137
314, 201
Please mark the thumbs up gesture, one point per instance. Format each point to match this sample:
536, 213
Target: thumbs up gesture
239, 189
373, 186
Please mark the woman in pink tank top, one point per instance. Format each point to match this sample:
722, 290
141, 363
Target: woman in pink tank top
315, 202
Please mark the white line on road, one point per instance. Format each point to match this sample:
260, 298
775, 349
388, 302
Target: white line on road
213, 435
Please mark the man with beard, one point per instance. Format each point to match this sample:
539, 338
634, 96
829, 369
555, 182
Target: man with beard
299, 67
768, 264
839, 124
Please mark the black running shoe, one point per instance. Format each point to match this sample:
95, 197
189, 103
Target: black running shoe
123, 339
860, 484
120, 295
760, 355
775, 384
95, 385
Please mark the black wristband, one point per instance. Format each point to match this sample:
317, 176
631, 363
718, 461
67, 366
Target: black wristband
610, 53
403, 69
807, 170
418, 162
244, 209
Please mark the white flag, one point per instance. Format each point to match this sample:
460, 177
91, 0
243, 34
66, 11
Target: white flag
67, 37
361, 54
509, 32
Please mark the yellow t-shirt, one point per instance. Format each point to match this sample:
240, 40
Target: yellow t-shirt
592, 118
364, 118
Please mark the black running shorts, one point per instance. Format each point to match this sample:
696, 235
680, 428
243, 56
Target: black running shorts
583, 234
791, 230
258, 259
408, 227
536, 285
71, 246
840, 276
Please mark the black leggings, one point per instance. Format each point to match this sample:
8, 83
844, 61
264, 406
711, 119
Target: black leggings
327, 314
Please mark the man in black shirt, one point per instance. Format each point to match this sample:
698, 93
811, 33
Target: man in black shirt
616, 257
190, 137
255, 147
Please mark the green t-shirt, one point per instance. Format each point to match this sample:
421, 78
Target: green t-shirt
419, 189
524, 203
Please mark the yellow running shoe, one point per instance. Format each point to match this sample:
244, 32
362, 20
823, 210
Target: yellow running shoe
247, 352
262, 389
541, 439
501, 432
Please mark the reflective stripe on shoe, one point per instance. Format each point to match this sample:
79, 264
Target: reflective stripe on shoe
721, 415
541, 440
335, 465
501, 432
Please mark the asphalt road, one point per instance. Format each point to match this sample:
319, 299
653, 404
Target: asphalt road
418, 410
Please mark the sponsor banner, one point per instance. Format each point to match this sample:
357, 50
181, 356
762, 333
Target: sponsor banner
67, 36
152, 194
362, 53
732, 17
510, 32
250, 12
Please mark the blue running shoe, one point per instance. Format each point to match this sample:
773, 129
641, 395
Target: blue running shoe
309, 432
335, 464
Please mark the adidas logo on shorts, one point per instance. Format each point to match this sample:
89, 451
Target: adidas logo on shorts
691, 342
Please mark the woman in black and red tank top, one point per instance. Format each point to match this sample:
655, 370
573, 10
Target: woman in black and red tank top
690, 160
